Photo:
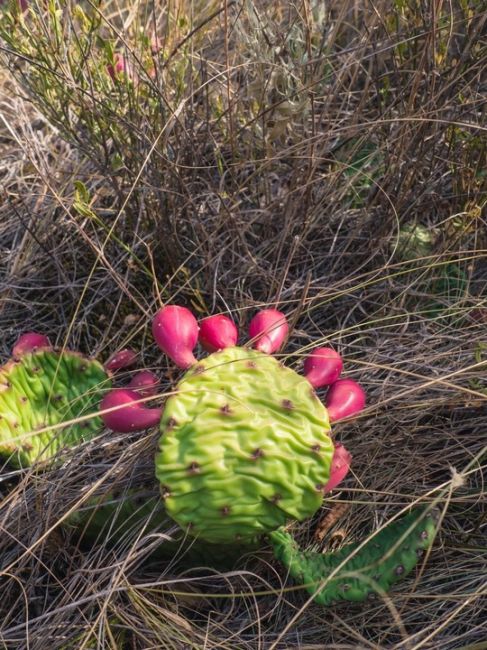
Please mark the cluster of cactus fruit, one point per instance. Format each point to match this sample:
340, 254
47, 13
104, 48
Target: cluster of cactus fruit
245, 442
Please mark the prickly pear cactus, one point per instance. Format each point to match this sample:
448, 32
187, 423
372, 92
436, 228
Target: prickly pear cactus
245, 447
40, 389
373, 567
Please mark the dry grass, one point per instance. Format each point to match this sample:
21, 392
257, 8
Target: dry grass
288, 151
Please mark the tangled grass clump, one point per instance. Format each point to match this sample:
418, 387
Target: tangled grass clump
327, 158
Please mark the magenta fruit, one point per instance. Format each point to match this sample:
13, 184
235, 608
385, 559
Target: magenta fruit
340, 464
323, 367
268, 330
30, 342
144, 383
122, 410
175, 330
344, 398
118, 67
217, 332
120, 360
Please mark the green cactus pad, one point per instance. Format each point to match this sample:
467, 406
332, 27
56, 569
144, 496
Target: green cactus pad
387, 557
44, 389
245, 447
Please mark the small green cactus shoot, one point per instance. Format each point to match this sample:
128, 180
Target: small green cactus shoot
373, 567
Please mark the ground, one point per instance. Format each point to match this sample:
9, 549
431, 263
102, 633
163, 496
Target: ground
251, 155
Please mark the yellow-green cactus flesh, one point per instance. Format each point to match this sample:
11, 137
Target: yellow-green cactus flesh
38, 392
245, 447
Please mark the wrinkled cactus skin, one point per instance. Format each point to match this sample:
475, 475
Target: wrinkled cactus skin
42, 389
384, 559
245, 447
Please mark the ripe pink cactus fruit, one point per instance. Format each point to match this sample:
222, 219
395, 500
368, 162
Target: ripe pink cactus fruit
30, 342
144, 383
175, 330
323, 367
130, 414
340, 464
344, 398
268, 329
121, 359
217, 332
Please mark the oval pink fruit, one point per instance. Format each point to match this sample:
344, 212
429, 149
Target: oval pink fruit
144, 383
344, 398
30, 342
268, 329
121, 359
175, 330
127, 415
340, 464
217, 332
323, 367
